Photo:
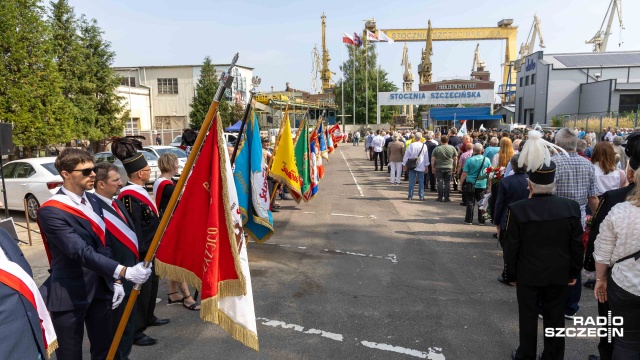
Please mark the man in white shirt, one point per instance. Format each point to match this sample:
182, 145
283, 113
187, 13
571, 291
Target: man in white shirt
378, 143
416, 150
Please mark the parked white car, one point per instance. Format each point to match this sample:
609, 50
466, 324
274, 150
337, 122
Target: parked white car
158, 150
176, 141
35, 180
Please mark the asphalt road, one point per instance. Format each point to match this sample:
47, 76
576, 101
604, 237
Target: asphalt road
359, 272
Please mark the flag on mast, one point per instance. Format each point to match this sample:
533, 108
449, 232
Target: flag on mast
371, 36
302, 161
384, 38
250, 177
463, 129
357, 40
204, 243
283, 167
347, 39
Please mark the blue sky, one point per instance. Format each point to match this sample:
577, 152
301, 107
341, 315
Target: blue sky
277, 37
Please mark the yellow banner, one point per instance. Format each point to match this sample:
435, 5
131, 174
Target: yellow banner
284, 168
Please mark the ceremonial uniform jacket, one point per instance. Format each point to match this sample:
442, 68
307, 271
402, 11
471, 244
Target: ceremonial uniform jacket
81, 268
119, 251
511, 189
21, 332
543, 244
145, 220
607, 201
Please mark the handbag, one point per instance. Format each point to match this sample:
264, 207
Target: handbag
469, 187
413, 163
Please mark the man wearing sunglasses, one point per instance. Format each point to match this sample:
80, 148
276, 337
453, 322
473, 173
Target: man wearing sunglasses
85, 283
144, 214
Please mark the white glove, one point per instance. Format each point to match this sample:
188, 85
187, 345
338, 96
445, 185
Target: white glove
138, 274
118, 295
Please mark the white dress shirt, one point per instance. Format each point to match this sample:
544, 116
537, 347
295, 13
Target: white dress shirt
412, 152
377, 143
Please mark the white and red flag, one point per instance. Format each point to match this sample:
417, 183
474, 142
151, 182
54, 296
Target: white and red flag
384, 38
347, 39
371, 36
204, 243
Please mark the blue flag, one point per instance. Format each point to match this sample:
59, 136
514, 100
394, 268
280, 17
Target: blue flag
250, 177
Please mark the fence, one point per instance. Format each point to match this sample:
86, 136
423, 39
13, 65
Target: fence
166, 135
598, 121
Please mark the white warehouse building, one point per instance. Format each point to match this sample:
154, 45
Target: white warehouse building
554, 85
159, 97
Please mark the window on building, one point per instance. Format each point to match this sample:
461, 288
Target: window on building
526, 80
521, 81
128, 81
168, 86
533, 79
132, 126
629, 103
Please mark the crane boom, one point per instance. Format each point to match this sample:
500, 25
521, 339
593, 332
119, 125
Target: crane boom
601, 38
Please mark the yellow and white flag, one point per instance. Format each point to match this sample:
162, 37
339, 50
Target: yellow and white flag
284, 168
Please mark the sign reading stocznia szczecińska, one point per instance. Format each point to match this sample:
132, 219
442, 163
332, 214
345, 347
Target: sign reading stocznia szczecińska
436, 97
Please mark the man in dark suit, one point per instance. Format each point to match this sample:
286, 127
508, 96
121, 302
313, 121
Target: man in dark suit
123, 242
543, 252
21, 332
607, 201
144, 215
511, 189
81, 289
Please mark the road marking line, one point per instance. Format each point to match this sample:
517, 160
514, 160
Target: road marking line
357, 216
434, 353
308, 212
353, 176
282, 324
391, 257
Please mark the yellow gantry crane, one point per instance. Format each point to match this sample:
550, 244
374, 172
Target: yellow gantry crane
601, 38
503, 31
424, 69
325, 73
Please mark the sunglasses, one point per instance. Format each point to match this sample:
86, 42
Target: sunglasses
86, 172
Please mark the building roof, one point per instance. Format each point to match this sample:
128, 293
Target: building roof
174, 66
627, 86
593, 60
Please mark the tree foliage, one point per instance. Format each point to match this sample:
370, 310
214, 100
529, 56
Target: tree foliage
356, 61
56, 81
30, 85
206, 89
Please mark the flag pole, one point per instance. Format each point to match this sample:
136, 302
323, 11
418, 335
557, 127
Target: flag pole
255, 81
377, 82
225, 83
366, 79
342, 82
354, 84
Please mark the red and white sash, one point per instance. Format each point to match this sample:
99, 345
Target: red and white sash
122, 232
158, 188
12, 275
139, 193
64, 203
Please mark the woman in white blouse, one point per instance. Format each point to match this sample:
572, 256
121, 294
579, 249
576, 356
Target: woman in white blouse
608, 176
616, 247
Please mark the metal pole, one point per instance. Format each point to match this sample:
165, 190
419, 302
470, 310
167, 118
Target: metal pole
617, 118
366, 81
342, 91
354, 85
130, 116
377, 84
4, 187
26, 212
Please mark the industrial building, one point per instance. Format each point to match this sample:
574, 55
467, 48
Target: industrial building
159, 97
556, 85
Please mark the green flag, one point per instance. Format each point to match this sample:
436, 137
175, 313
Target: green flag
301, 151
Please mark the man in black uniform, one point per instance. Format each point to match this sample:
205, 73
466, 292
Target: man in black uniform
145, 219
608, 200
543, 254
123, 240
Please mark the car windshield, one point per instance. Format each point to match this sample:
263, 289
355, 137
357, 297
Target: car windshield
177, 139
149, 155
50, 168
179, 152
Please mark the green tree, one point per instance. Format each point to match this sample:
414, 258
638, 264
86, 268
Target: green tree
102, 112
384, 85
84, 62
30, 86
205, 91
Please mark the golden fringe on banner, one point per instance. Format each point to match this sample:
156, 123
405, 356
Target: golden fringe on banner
54, 346
211, 313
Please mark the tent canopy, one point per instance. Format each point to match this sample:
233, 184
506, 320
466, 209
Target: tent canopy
456, 113
235, 127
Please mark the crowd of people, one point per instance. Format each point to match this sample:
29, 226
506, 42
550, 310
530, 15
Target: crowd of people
548, 194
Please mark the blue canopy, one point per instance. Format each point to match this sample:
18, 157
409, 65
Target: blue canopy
456, 113
235, 127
